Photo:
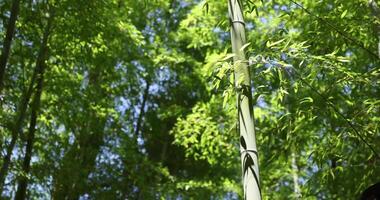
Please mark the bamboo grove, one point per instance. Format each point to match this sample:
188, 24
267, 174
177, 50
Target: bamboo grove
189, 99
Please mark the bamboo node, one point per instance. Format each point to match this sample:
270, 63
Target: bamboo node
239, 21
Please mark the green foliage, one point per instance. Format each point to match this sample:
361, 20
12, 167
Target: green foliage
138, 99
207, 136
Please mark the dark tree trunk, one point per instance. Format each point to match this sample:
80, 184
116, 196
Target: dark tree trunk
142, 109
8, 40
23, 181
17, 129
135, 137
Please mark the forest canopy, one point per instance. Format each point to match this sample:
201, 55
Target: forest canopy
122, 99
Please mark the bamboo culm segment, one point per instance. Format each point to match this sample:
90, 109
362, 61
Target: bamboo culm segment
248, 149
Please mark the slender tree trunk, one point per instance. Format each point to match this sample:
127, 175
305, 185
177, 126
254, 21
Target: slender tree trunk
23, 181
376, 13
137, 132
17, 129
140, 195
248, 149
293, 164
8, 40
296, 187
142, 109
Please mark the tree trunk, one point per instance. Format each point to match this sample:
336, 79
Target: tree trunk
136, 135
296, 187
23, 181
248, 150
293, 149
142, 109
8, 40
17, 129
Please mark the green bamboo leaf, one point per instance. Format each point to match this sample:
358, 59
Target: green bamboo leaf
206, 6
269, 44
228, 56
245, 46
343, 14
306, 100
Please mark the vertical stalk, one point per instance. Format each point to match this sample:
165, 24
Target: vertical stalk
248, 149
137, 131
8, 40
142, 109
293, 149
17, 129
23, 181
296, 187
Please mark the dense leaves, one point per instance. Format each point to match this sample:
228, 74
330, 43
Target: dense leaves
137, 99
